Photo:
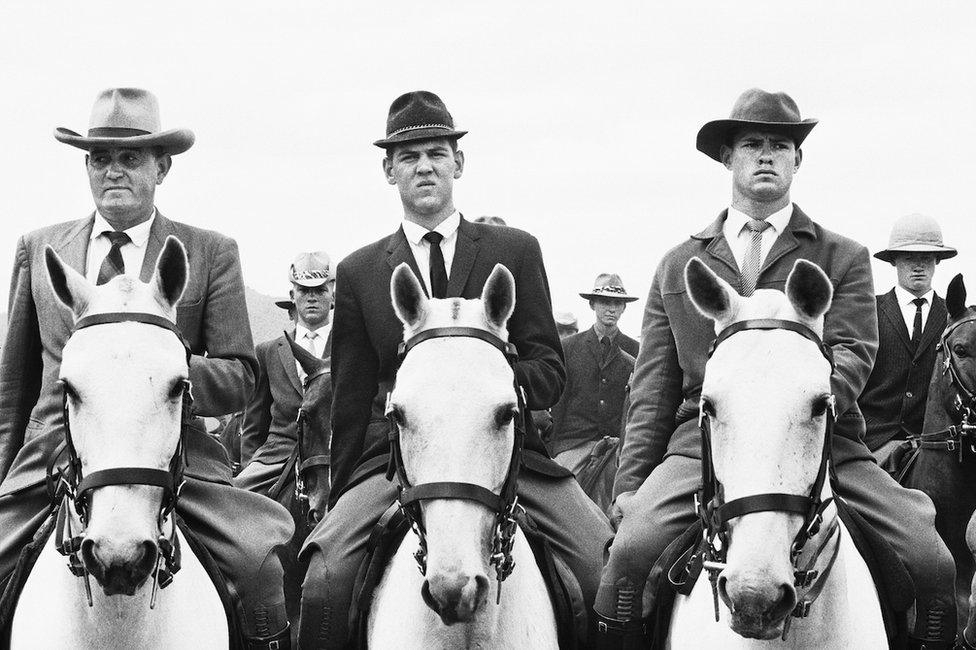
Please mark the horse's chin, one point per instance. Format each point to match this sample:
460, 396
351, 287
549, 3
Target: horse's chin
756, 627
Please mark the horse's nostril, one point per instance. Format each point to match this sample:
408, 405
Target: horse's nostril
429, 598
786, 603
723, 592
481, 589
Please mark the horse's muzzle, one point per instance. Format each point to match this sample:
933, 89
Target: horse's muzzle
119, 569
455, 599
758, 609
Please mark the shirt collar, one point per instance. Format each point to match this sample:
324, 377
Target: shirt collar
905, 298
301, 331
139, 234
415, 233
736, 220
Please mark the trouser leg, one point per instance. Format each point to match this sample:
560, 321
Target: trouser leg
21, 515
243, 532
906, 518
334, 552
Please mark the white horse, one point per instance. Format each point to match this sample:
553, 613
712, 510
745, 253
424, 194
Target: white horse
125, 384
454, 405
766, 395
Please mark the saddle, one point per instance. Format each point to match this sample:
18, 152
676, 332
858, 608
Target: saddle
389, 532
896, 591
30, 553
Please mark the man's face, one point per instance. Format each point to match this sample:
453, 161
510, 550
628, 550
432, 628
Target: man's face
313, 303
424, 172
123, 181
915, 271
762, 165
608, 311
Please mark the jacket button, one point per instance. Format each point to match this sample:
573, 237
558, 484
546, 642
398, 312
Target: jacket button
909, 394
603, 380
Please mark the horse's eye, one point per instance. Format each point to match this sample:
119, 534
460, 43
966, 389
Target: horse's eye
69, 390
397, 416
708, 408
177, 390
504, 416
960, 350
819, 406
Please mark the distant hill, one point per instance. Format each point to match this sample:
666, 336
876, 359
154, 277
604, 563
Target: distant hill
267, 319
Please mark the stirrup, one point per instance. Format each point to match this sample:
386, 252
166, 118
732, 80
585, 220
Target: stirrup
615, 634
279, 641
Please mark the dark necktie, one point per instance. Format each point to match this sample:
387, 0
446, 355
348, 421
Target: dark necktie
113, 264
438, 272
752, 260
607, 347
917, 325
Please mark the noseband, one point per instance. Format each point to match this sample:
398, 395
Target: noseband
504, 504
955, 437
71, 485
304, 462
714, 513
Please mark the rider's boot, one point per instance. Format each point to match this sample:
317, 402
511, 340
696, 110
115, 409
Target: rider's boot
616, 634
279, 641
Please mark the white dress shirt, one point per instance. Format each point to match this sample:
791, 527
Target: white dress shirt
316, 345
421, 247
908, 307
133, 253
739, 237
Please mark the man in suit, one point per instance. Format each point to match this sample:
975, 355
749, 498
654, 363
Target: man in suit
911, 318
754, 243
128, 155
598, 366
453, 258
270, 422
566, 324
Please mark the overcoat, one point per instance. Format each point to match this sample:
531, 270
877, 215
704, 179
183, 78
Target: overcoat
593, 402
366, 333
270, 430
212, 316
666, 387
893, 401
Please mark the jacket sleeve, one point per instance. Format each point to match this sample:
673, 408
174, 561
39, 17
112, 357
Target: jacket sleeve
540, 369
655, 394
223, 371
355, 375
20, 364
851, 331
257, 416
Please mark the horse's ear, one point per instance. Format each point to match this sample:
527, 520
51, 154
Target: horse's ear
409, 301
956, 297
809, 290
172, 270
498, 296
71, 288
308, 361
710, 294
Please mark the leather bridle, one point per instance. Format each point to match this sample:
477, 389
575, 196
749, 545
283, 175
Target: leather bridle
304, 462
70, 485
714, 513
956, 436
504, 504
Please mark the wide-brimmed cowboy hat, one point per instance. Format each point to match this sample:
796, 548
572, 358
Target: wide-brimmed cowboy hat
127, 117
755, 108
916, 233
418, 115
311, 269
610, 286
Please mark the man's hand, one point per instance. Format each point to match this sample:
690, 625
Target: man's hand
619, 508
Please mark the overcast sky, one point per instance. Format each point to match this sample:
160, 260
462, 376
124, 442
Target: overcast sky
582, 118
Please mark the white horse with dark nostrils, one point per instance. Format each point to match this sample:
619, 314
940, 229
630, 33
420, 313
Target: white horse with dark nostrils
454, 402
766, 393
125, 386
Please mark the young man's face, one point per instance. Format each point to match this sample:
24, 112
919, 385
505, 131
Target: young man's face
424, 172
607, 310
762, 165
312, 304
915, 271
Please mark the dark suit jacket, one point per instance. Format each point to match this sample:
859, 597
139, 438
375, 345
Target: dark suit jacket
592, 403
212, 317
270, 430
366, 333
666, 386
627, 344
893, 401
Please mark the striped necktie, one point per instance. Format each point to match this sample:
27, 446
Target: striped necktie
113, 264
752, 261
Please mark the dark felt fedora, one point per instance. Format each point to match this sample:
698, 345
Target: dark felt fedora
755, 108
418, 115
127, 117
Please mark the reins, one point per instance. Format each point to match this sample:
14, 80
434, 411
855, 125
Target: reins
72, 486
504, 504
715, 514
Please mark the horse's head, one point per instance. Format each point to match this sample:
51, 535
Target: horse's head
124, 384
312, 469
959, 353
455, 407
765, 395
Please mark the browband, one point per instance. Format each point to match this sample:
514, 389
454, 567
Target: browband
506, 348
774, 324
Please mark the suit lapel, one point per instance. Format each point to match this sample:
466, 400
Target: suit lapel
399, 252
465, 252
787, 242
934, 324
161, 228
288, 362
888, 305
73, 247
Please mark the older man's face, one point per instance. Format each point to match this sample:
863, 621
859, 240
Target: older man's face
424, 172
762, 165
123, 181
607, 310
